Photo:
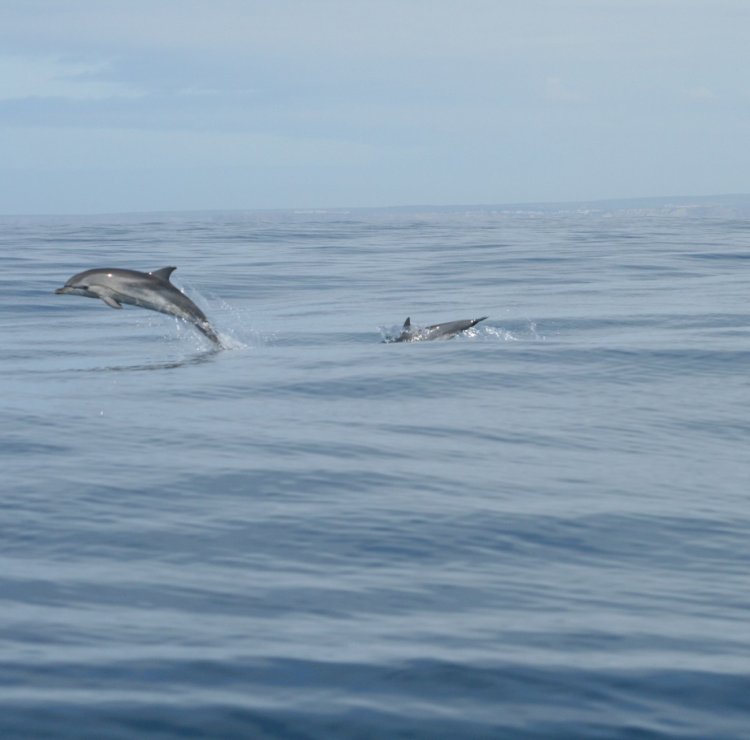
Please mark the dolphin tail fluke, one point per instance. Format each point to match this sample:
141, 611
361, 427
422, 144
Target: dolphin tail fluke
208, 331
407, 323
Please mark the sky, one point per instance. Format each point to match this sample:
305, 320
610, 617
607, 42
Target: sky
149, 105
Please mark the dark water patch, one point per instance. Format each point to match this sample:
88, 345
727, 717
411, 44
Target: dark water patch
719, 256
295, 699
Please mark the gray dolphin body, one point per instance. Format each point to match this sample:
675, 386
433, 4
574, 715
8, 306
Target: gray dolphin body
150, 290
448, 330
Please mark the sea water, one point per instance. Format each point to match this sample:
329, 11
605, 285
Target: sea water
536, 529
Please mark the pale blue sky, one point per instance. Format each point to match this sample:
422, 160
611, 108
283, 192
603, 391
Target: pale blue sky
123, 105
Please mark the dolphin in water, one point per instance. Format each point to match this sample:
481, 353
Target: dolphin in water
448, 330
150, 290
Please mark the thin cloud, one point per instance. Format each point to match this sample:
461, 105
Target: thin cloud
214, 91
700, 94
557, 91
23, 77
124, 149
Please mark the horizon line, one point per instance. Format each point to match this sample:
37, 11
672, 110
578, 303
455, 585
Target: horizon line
520, 205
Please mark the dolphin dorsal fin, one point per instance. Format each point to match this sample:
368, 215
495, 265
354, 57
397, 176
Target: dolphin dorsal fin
407, 323
163, 274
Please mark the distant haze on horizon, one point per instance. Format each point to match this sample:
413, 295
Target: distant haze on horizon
187, 105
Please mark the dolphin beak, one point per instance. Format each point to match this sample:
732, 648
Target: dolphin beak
62, 290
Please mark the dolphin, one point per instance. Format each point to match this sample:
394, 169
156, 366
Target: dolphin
448, 330
150, 290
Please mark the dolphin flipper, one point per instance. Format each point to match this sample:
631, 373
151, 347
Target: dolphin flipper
106, 297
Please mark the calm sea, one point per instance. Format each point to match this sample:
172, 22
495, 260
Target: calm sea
537, 530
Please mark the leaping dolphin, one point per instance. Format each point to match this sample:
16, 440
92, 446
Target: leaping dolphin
150, 290
448, 330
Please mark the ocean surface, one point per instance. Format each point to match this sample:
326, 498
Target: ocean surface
539, 529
